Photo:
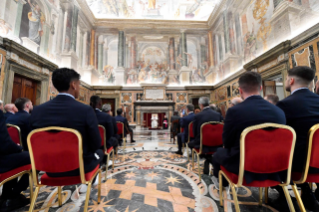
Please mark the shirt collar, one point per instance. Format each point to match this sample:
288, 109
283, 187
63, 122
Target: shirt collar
252, 96
298, 89
98, 109
206, 107
66, 94
190, 112
10, 112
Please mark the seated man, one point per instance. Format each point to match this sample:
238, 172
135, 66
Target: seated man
22, 119
127, 129
206, 115
302, 112
10, 109
235, 101
175, 125
108, 109
105, 120
65, 111
184, 122
272, 98
252, 111
12, 157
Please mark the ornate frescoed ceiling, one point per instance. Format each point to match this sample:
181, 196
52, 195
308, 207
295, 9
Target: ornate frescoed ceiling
197, 10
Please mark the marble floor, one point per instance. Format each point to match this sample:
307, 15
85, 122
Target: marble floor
149, 177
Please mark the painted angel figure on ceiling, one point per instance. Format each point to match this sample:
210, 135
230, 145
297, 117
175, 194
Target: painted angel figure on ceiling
36, 21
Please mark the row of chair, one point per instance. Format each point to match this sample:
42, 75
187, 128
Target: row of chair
264, 149
56, 150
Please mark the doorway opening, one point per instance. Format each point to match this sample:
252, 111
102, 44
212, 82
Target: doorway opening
273, 85
24, 87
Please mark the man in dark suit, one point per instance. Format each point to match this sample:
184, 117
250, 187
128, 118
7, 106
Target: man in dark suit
65, 111
206, 115
252, 111
127, 129
302, 112
22, 119
10, 109
11, 157
105, 120
184, 122
106, 108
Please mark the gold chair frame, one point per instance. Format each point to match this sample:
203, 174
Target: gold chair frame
17, 128
305, 170
201, 147
81, 167
105, 152
189, 139
242, 166
123, 137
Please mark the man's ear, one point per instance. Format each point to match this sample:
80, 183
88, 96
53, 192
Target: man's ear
72, 85
292, 81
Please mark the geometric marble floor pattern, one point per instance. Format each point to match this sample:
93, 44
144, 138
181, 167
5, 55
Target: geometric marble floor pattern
149, 177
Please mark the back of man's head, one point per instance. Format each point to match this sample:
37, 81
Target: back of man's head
302, 75
203, 102
175, 113
272, 98
106, 108
21, 103
119, 111
190, 107
63, 78
1, 105
250, 82
10, 108
95, 102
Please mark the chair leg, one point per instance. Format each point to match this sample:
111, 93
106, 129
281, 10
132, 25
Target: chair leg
107, 165
60, 196
192, 159
187, 152
199, 171
113, 161
311, 186
233, 190
266, 195
260, 196
87, 197
31, 186
221, 202
300, 203
99, 187
291, 206
34, 198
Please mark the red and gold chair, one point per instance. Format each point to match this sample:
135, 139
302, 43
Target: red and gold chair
56, 150
210, 136
108, 151
190, 135
312, 161
121, 132
264, 149
15, 134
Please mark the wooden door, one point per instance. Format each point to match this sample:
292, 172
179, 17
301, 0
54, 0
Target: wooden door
195, 102
269, 87
112, 103
24, 87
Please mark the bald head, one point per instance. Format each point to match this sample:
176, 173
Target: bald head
11, 108
235, 101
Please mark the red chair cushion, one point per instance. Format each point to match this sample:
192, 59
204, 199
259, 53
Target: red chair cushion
267, 151
234, 178
102, 134
191, 131
62, 181
14, 134
182, 129
120, 128
212, 134
314, 159
109, 150
311, 178
10, 173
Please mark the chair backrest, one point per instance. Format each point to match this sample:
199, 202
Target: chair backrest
103, 136
120, 128
211, 134
191, 130
56, 149
266, 148
15, 134
312, 152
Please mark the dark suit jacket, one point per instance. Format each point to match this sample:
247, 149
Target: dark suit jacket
22, 120
64, 111
184, 122
7, 115
254, 110
105, 120
114, 126
302, 112
124, 121
205, 115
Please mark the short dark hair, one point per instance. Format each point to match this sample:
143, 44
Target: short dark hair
250, 81
273, 97
94, 101
62, 77
304, 73
119, 111
20, 103
175, 113
190, 107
